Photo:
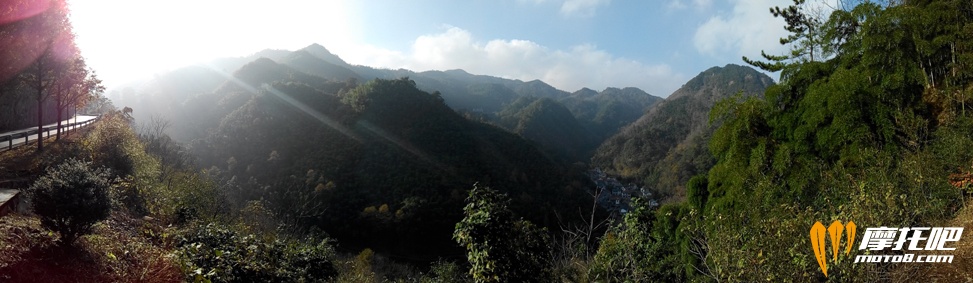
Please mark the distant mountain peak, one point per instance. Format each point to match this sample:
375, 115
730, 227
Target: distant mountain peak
321, 52
730, 76
304, 60
457, 72
262, 61
585, 92
538, 88
539, 84
318, 49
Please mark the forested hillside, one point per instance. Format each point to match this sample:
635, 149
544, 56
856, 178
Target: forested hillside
668, 145
177, 96
380, 165
605, 113
871, 123
549, 124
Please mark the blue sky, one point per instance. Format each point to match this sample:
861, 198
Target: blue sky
653, 45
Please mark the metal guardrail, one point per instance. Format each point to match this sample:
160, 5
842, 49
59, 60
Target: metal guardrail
26, 134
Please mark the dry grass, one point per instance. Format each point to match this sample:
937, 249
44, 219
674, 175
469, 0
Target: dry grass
119, 250
25, 162
961, 270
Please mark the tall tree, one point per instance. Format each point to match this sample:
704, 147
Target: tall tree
40, 77
806, 39
74, 88
54, 36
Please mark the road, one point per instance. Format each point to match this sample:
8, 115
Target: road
33, 137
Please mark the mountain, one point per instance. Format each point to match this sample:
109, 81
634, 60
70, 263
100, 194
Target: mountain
573, 126
230, 64
668, 145
309, 63
322, 53
537, 88
604, 113
225, 84
382, 165
550, 125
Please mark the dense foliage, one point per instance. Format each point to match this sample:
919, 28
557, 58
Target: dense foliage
501, 248
643, 247
70, 198
868, 129
217, 254
380, 165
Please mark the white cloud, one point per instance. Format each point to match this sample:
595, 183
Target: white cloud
582, 8
569, 70
747, 30
575, 8
698, 5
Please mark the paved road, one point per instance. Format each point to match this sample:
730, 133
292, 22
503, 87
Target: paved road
18, 141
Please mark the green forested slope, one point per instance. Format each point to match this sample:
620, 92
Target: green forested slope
868, 124
667, 145
382, 165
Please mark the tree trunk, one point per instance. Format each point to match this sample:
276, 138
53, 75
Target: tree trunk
40, 121
57, 108
59, 117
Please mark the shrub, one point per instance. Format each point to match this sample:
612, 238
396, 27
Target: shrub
70, 198
500, 247
213, 253
445, 271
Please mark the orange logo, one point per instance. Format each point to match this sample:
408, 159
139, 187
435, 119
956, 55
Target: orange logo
834, 231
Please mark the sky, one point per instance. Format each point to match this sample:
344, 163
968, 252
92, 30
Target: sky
654, 45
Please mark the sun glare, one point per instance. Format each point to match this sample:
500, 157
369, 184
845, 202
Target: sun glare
126, 40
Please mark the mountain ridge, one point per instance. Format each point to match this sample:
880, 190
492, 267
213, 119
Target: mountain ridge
601, 114
668, 144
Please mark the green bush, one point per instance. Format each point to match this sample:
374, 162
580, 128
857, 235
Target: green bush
111, 143
644, 247
71, 198
215, 254
445, 271
499, 247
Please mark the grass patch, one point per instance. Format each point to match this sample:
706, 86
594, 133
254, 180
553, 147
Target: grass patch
121, 249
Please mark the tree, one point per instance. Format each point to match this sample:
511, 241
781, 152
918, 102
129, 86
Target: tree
40, 77
804, 23
859, 133
646, 246
70, 198
54, 63
499, 247
75, 87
